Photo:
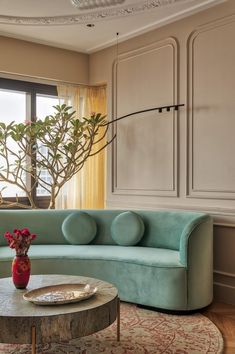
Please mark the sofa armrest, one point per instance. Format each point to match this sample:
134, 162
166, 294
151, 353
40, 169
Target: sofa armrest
196, 254
199, 232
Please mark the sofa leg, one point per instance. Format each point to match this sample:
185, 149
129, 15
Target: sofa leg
118, 319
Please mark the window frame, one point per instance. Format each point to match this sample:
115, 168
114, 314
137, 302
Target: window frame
32, 89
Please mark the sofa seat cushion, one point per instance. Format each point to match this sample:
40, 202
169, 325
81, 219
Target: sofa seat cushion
149, 276
153, 257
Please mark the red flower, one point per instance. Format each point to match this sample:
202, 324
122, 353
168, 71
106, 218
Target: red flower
33, 236
8, 235
20, 240
25, 232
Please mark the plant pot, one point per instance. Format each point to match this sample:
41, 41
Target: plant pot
20, 271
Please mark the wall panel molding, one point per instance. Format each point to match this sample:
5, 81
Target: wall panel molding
121, 182
224, 286
224, 278
200, 116
225, 274
222, 217
224, 293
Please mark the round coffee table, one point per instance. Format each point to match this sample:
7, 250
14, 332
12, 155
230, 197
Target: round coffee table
23, 322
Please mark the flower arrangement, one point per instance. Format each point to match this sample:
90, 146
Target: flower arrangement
20, 240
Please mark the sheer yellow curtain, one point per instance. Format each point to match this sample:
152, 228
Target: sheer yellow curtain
86, 190
93, 180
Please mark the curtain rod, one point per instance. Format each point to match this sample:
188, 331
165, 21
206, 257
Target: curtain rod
44, 80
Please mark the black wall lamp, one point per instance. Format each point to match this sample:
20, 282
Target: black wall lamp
159, 109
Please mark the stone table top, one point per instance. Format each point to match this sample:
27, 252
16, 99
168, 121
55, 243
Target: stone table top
54, 323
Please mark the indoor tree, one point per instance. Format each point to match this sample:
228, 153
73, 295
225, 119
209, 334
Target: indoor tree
60, 144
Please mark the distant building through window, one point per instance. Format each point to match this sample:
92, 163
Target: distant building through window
21, 102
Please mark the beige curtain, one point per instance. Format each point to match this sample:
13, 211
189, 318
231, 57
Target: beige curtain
86, 190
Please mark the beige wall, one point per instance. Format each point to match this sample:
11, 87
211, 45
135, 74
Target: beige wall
191, 60
185, 160
41, 61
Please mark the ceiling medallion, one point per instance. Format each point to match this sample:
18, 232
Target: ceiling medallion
92, 4
90, 16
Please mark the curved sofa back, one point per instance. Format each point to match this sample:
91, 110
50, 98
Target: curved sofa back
163, 229
46, 224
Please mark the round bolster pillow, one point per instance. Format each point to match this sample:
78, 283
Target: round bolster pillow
127, 229
79, 228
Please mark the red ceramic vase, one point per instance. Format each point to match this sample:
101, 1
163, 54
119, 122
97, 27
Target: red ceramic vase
20, 271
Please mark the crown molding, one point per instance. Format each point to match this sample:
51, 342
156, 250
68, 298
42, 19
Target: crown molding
136, 7
159, 23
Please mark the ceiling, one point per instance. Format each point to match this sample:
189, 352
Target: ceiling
58, 23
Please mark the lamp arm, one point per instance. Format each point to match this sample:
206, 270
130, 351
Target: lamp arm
175, 106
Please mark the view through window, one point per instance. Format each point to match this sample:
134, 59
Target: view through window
12, 108
45, 108
23, 102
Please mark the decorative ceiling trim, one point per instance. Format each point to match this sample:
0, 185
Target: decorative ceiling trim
102, 14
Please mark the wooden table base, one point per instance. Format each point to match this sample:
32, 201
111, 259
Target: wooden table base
33, 329
33, 334
118, 319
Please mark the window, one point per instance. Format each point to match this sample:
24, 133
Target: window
22, 101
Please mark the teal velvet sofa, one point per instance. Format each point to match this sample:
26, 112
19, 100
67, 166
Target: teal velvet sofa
155, 258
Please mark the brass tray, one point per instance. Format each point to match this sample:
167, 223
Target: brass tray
60, 294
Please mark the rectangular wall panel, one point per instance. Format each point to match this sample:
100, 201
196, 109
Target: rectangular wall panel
145, 150
211, 111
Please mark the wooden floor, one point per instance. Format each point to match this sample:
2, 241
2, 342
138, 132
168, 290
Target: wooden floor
223, 316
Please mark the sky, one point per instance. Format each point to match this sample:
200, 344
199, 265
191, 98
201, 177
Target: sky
13, 108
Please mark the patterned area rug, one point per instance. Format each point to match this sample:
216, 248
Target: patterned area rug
142, 332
